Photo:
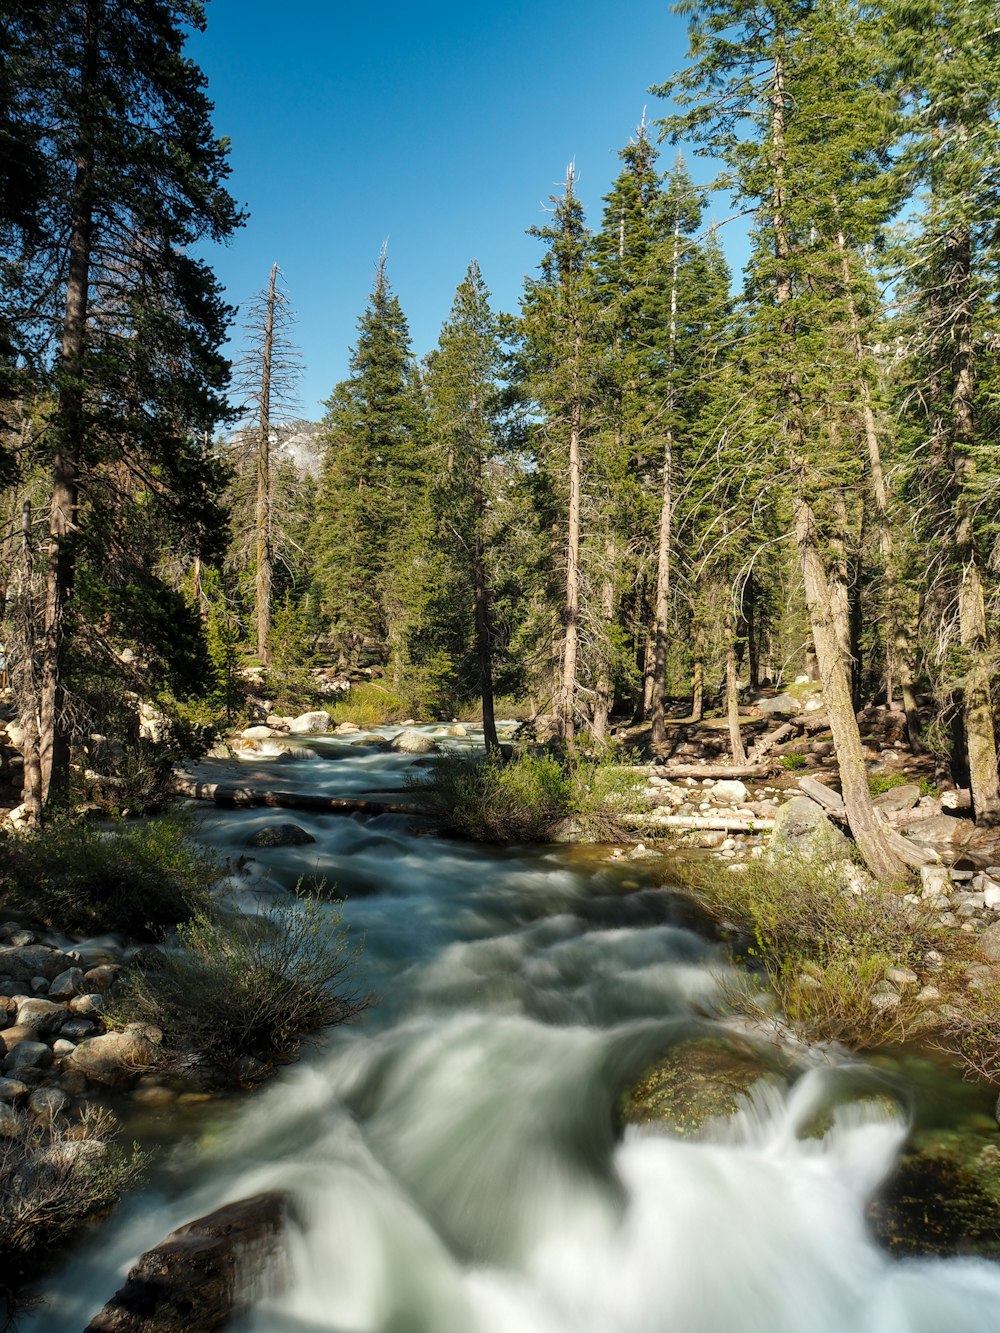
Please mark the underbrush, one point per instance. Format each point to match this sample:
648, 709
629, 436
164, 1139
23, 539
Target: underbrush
246, 986
135, 879
51, 1181
495, 800
826, 948
523, 799
370, 705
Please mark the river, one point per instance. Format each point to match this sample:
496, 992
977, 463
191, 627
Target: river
454, 1156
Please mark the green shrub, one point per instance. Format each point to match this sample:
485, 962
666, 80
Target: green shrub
883, 782
52, 1180
824, 948
370, 705
138, 879
495, 800
793, 761
241, 986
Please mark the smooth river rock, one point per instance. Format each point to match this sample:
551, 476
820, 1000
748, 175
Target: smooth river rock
280, 835
191, 1281
115, 1056
413, 742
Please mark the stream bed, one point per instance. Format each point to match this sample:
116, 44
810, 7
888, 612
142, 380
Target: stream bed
456, 1156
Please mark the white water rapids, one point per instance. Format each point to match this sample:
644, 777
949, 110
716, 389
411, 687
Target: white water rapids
453, 1157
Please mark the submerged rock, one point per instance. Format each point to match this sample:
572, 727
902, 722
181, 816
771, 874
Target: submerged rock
698, 1081
280, 835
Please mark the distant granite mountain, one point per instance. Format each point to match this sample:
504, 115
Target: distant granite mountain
299, 442
296, 441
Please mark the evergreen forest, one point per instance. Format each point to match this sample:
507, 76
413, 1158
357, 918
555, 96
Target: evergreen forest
653, 487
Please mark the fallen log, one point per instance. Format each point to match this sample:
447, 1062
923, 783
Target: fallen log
223, 793
831, 801
804, 725
720, 823
713, 770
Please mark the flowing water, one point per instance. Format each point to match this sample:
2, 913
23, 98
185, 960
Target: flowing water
454, 1157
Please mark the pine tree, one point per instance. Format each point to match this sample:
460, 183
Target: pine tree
267, 377
558, 319
130, 341
948, 71
373, 484
780, 107
468, 425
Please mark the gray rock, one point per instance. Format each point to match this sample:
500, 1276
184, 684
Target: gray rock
280, 835
67, 984
40, 985
989, 943
898, 799
32, 961
801, 828
77, 1028
27, 1055
413, 742
310, 724
46, 1104
20, 939
782, 705
45, 1016
730, 790
82, 1005
62, 1046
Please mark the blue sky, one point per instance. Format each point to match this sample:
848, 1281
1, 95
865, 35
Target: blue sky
440, 128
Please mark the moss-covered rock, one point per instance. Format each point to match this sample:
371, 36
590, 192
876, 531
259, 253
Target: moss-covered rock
698, 1081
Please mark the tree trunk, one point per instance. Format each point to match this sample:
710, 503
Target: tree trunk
898, 648
602, 700
262, 514
827, 638
53, 724
27, 681
484, 648
661, 608
567, 702
698, 673
833, 665
733, 695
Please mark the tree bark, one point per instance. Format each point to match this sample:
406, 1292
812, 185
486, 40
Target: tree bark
27, 680
567, 702
484, 648
661, 608
898, 648
733, 696
262, 513
602, 700
865, 825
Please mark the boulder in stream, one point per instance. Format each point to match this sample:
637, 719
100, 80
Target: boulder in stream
698, 1081
280, 835
195, 1278
413, 742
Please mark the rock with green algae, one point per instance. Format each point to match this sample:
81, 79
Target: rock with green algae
698, 1081
943, 1197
